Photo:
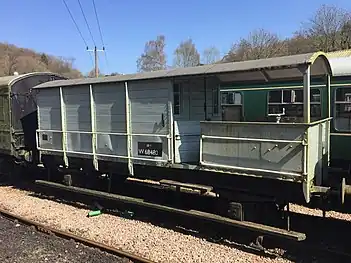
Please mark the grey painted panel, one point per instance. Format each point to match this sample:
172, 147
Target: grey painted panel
49, 106
281, 156
185, 101
78, 118
110, 107
112, 145
187, 141
315, 145
197, 102
79, 142
149, 107
50, 140
77, 103
318, 150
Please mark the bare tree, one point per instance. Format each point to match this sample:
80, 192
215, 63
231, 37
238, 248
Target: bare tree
210, 55
10, 59
300, 44
44, 59
154, 57
346, 35
27, 64
325, 27
23, 60
259, 44
186, 55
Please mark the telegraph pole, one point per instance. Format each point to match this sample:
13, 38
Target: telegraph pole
95, 50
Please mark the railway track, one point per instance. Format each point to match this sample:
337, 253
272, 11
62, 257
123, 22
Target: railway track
66, 235
319, 243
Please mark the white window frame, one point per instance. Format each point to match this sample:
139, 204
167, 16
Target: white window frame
293, 98
345, 103
233, 104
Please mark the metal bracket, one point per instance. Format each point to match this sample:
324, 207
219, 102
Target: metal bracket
235, 211
277, 115
258, 244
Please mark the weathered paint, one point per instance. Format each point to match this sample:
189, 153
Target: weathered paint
50, 126
17, 104
110, 118
150, 120
194, 94
78, 119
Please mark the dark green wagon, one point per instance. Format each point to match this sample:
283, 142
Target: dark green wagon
18, 115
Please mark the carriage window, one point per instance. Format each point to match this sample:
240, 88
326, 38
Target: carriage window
231, 98
215, 100
231, 103
176, 99
292, 102
343, 109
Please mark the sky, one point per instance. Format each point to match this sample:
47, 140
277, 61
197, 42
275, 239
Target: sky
46, 26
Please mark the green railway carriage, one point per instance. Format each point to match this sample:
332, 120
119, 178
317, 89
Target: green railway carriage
340, 136
283, 102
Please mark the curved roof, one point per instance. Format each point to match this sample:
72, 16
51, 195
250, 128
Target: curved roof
4, 81
340, 62
252, 70
10, 80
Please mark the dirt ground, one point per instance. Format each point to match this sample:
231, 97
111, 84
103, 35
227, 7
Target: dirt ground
23, 244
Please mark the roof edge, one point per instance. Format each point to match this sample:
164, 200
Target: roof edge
317, 55
22, 76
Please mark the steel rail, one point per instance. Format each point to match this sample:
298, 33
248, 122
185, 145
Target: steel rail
47, 230
286, 243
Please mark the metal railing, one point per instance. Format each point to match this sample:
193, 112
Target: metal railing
168, 136
223, 138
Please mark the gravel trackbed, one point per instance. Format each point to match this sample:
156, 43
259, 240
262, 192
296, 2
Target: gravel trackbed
155, 243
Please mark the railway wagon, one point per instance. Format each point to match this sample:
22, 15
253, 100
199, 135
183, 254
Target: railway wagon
283, 102
18, 120
168, 126
341, 129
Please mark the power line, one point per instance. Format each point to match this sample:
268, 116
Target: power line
86, 21
74, 21
97, 19
80, 33
102, 41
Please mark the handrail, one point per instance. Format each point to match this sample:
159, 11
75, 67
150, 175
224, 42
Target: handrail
107, 133
249, 139
268, 123
168, 136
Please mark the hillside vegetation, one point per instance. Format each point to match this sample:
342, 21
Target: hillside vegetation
328, 29
24, 60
